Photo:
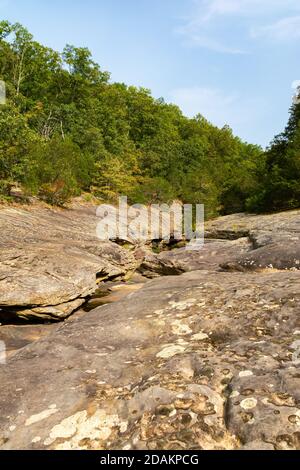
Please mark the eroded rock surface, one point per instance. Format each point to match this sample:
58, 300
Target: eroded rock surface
262, 228
275, 240
281, 256
211, 257
208, 359
51, 260
205, 360
16, 337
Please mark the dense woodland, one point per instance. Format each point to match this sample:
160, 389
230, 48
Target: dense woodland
66, 130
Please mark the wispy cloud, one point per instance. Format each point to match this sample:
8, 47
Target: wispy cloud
252, 8
285, 29
196, 38
222, 108
212, 23
210, 102
223, 7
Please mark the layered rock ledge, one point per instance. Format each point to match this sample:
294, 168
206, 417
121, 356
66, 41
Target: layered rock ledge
275, 239
207, 359
51, 261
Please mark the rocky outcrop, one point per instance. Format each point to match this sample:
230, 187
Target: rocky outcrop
281, 256
275, 240
213, 254
153, 265
206, 360
263, 229
16, 337
238, 242
51, 261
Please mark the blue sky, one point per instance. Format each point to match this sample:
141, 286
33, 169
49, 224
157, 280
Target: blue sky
234, 61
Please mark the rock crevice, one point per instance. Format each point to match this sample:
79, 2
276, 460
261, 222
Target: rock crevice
208, 359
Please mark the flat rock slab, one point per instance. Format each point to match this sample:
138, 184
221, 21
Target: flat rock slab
267, 228
16, 337
205, 360
281, 256
213, 254
51, 260
275, 240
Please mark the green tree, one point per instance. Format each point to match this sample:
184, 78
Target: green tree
280, 179
66, 128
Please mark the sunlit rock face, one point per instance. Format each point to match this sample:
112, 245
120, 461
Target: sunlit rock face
207, 359
51, 260
204, 360
275, 240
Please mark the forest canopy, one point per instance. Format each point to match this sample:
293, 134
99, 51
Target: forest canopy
66, 129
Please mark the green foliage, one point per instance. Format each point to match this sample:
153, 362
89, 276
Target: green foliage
153, 191
280, 177
56, 170
15, 139
66, 129
112, 178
